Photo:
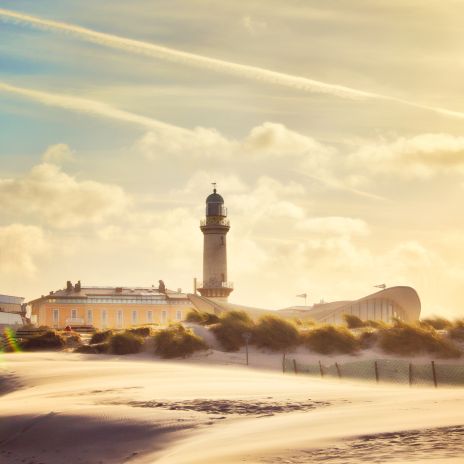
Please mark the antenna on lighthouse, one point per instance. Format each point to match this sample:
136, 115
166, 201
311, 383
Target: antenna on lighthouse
214, 186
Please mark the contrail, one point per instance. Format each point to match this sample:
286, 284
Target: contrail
84, 105
336, 185
228, 67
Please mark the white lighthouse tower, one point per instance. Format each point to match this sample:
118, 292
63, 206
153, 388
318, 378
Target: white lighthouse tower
215, 227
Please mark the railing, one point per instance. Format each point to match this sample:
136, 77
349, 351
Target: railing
215, 220
213, 284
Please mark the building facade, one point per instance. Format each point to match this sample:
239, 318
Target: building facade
12, 310
109, 307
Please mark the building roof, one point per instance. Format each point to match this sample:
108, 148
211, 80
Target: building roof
405, 297
215, 198
85, 292
11, 299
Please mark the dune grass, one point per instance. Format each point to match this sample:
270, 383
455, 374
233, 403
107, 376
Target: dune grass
408, 339
230, 329
177, 342
353, 322
50, 340
96, 348
101, 336
275, 333
144, 331
438, 323
125, 343
456, 332
329, 339
201, 317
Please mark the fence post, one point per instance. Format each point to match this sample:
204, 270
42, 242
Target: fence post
338, 371
283, 363
320, 369
376, 369
294, 366
410, 374
434, 372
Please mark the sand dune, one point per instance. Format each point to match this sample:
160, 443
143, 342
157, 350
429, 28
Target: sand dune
69, 408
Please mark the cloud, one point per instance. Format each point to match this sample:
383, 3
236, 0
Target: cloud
199, 143
58, 154
267, 141
421, 156
236, 69
19, 246
253, 26
334, 226
58, 198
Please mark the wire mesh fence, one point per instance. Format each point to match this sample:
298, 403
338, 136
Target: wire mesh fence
384, 370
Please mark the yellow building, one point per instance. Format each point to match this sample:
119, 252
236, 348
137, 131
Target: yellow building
109, 307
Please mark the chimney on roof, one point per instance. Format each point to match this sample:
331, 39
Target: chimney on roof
77, 287
69, 286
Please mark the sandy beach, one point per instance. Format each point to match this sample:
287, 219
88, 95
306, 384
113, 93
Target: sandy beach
71, 408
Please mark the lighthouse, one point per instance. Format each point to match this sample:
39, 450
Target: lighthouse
215, 227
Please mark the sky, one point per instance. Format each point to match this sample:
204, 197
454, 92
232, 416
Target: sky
334, 131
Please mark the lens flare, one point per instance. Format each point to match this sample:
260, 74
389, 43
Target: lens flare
10, 342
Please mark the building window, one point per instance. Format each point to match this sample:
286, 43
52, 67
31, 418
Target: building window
179, 315
89, 316
150, 317
119, 318
56, 316
134, 317
104, 318
73, 313
164, 316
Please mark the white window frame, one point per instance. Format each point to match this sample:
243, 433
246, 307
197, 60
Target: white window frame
120, 318
74, 313
150, 316
89, 316
134, 319
104, 318
179, 315
164, 316
56, 316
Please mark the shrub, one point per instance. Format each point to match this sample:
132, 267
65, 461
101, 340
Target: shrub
408, 339
201, 317
376, 324
102, 336
367, 339
140, 331
86, 349
50, 340
329, 339
230, 329
125, 343
275, 333
72, 340
353, 322
176, 341
97, 348
456, 332
438, 323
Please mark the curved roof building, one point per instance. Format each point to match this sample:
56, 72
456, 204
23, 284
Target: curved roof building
395, 302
